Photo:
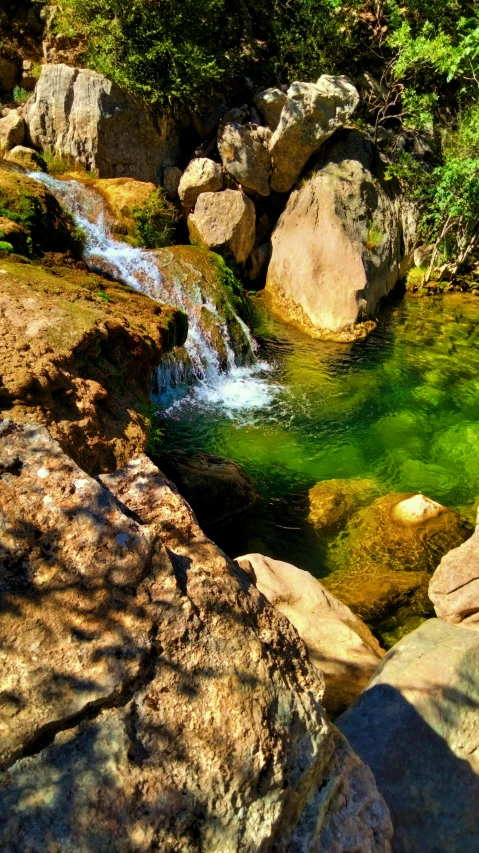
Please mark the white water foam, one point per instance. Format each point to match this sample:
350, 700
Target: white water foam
193, 373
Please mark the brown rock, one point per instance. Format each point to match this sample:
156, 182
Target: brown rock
225, 223
245, 156
454, 586
171, 180
29, 159
9, 74
338, 643
200, 176
333, 502
12, 131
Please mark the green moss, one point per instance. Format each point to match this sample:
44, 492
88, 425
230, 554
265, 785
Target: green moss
5, 246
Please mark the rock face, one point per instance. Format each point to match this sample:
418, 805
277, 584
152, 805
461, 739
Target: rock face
225, 223
245, 155
12, 131
79, 114
201, 176
29, 159
454, 586
340, 245
416, 726
152, 698
216, 488
76, 354
339, 644
312, 112
269, 104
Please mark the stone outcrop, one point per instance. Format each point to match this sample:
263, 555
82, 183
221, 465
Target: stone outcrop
202, 175
78, 114
270, 103
312, 112
416, 726
225, 223
12, 131
216, 488
245, 156
454, 586
343, 241
152, 698
339, 644
333, 502
77, 353
29, 159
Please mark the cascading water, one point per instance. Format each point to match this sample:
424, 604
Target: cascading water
218, 363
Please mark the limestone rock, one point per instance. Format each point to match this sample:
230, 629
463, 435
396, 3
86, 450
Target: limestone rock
245, 156
216, 488
333, 502
343, 241
79, 114
416, 726
269, 104
454, 586
202, 175
225, 223
153, 697
9, 74
312, 112
31, 160
122, 196
12, 131
339, 644
171, 180
417, 510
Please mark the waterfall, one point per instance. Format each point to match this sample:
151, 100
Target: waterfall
218, 363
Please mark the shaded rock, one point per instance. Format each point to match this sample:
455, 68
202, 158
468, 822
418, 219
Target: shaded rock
312, 112
215, 487
171, 180
14, 234
258, 261
12, 131
333, 502
9, 74
31, 160
200, 176
77, 113
269, 104
197, 719
245, 156
339, 644
344, 209
76, 354
416, 728
224, 222
454, 586
384, 561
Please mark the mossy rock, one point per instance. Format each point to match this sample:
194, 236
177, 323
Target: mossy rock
333, 502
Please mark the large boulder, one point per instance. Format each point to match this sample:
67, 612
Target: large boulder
454, 586
78, 114
416, 727
202, 175
12, 131
312, 112
270, 103
245, 155
339, 644
151, 698
341, 244
224, 222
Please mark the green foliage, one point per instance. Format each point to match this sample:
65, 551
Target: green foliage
156, 221
56, 164
5, 246
20, 96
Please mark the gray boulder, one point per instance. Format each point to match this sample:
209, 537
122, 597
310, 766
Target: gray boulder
224, 222
245, 155
202, 175
269, 104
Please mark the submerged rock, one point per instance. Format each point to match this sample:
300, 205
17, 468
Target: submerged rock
339, 644
224, 222
416, 726
216, 488
341, 244
202, 175
333, 502
454, 586
151, 696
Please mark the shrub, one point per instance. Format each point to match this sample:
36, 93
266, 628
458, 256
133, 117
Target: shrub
20, 96
5, 247
156, 221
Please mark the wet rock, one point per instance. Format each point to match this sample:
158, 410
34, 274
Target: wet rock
12, 131
454, 586
343, 209
216, 488
339, 644
171, 180
175, 707
31, 160
225, 223
333, 502
78, 114
245, 156
312, 112
269, 104
201, 176
416, 728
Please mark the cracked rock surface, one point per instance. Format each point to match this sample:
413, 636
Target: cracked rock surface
150, 697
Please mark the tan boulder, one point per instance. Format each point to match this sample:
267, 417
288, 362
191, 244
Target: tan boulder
311, 114
224, 222
202, 175
333, 502
12, 131
454, 586
339, 644
245, 156
79, 114
270, 103
31, 160
122, 196
151, 697
341, 244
